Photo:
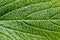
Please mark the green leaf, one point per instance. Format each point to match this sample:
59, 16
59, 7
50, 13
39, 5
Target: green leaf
29, 19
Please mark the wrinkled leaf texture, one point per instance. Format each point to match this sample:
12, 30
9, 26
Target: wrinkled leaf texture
29, 19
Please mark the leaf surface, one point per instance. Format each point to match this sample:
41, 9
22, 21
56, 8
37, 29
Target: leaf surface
29, 20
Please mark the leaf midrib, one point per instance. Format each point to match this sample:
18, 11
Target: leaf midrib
31, 20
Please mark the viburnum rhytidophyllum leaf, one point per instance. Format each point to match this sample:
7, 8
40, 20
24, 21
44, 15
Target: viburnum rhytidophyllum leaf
29, 19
